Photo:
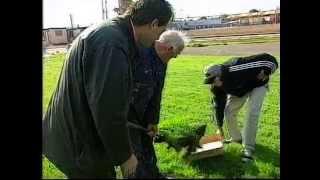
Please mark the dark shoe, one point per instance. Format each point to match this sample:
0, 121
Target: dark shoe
247, 156
162, 176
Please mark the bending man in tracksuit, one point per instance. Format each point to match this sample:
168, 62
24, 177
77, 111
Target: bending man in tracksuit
232, 83
149, 79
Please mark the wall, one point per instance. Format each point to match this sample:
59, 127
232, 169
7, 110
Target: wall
45, 41
237, 30
54, 39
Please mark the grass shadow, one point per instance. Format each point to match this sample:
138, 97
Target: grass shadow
267, 155
228, 165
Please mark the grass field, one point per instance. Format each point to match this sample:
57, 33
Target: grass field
186, 100
203, 42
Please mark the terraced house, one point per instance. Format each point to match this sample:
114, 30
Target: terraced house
60, 36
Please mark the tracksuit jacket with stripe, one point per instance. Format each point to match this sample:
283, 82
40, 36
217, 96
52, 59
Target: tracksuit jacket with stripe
239, 76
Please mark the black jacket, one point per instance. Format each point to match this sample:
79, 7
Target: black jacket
149, 76
85, 123
239, 76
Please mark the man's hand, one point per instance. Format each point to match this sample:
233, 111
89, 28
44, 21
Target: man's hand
153, 130
220, 132
128, 168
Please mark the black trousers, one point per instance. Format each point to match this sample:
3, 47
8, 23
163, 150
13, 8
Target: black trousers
144, 151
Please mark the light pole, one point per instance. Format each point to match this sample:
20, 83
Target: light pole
71, 21
104, 9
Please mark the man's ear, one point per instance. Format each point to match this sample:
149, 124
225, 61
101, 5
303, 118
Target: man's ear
155, 23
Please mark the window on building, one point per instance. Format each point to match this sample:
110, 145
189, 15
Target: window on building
58, 32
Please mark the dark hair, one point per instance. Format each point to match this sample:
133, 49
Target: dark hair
145, 11
210, 80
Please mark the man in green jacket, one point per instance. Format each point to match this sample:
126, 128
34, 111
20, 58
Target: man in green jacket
85, 131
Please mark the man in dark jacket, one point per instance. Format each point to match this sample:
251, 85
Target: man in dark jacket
85, 131
149, 77
232, 83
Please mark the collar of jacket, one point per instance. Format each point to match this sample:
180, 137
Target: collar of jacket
126, 28
156, 55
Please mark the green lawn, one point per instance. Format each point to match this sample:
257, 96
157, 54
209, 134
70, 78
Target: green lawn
186, 100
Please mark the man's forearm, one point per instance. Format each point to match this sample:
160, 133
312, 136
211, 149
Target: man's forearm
220, 98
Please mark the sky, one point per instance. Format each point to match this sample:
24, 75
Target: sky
56, 13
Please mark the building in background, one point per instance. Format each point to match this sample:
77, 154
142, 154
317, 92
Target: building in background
54, 36
45, 38
72, 33
241, 19
64, 36
60, 36
255, 18
190, 23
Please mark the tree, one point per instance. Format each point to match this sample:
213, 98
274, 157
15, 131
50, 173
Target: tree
253, 11
222, 16
123, 5
203, 18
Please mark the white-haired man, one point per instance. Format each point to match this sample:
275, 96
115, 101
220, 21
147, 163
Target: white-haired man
149, 76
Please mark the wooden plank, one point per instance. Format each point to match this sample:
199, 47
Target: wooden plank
211, 146
211, 138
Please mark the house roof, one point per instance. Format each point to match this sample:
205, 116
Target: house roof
75, 28
53, 28
261, 13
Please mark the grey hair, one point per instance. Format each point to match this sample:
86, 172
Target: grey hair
177, 39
